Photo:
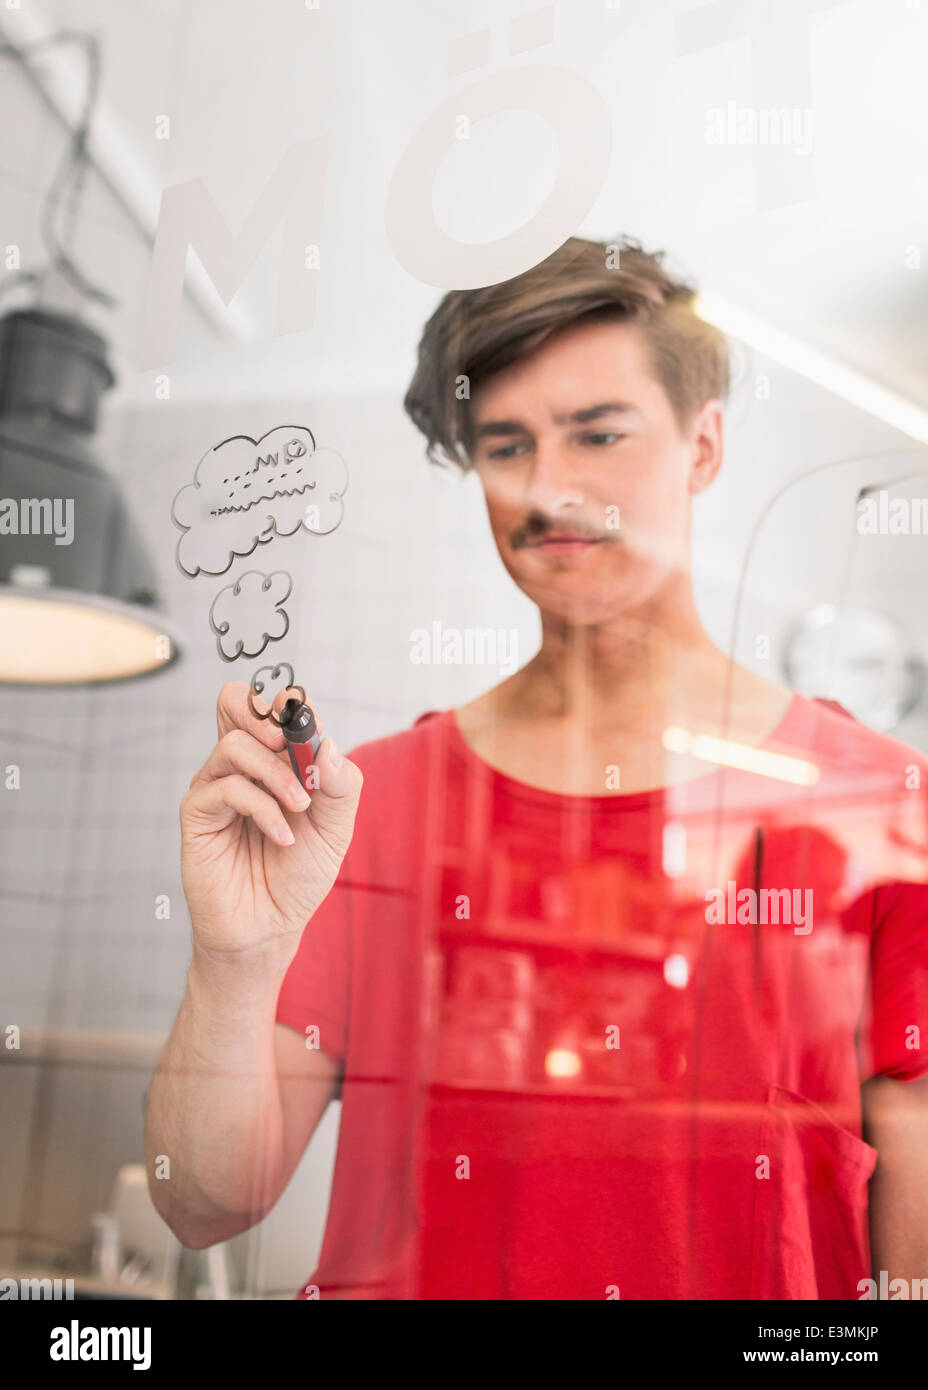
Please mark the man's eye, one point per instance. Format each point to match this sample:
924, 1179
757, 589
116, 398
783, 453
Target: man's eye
506, 452
601, 439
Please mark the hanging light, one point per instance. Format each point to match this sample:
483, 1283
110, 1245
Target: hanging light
78, 598
78, 601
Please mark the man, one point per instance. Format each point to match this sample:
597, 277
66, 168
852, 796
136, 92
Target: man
626, 955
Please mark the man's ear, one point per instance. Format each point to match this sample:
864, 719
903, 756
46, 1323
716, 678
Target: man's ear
706, 436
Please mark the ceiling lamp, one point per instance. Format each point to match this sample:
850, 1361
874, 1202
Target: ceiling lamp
77, 590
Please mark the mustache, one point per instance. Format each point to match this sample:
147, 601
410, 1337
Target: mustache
536, 526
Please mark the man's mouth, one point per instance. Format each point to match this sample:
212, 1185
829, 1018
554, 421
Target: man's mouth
564, 542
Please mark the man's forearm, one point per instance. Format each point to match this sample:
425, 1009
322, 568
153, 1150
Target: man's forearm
896, 1116
214, 1124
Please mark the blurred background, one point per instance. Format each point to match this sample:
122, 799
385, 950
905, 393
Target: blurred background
809, 249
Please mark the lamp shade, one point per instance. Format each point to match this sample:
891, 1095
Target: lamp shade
78, 597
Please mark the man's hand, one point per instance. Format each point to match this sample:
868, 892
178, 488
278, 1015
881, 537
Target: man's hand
257, 858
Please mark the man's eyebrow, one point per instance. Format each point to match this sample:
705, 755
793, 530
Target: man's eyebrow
576, 417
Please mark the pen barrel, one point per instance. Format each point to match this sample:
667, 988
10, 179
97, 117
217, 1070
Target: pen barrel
302, 758
303, 739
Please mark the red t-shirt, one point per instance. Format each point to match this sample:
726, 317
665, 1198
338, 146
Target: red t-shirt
612, 1046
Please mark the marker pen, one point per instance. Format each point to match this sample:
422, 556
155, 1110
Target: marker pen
303, 738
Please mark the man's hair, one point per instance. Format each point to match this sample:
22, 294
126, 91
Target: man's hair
474, 333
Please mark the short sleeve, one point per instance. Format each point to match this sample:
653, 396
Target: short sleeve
315, 990
895, 1037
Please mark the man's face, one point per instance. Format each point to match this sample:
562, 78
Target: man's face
587, 474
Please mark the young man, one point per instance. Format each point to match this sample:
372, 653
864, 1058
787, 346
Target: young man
627, 955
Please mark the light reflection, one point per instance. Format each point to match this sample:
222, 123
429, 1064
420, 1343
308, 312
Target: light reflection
741, 755
563, 1063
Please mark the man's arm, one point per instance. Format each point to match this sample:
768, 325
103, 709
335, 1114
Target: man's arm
233, 1104
259, 856
896, 1124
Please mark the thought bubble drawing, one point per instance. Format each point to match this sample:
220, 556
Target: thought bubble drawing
259, 686
246, 615
247, 491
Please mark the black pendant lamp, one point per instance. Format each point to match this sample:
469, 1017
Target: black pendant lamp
78, 599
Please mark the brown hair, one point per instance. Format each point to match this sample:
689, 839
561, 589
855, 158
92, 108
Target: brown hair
474, 333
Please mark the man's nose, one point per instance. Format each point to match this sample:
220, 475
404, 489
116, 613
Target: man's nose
551, 481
